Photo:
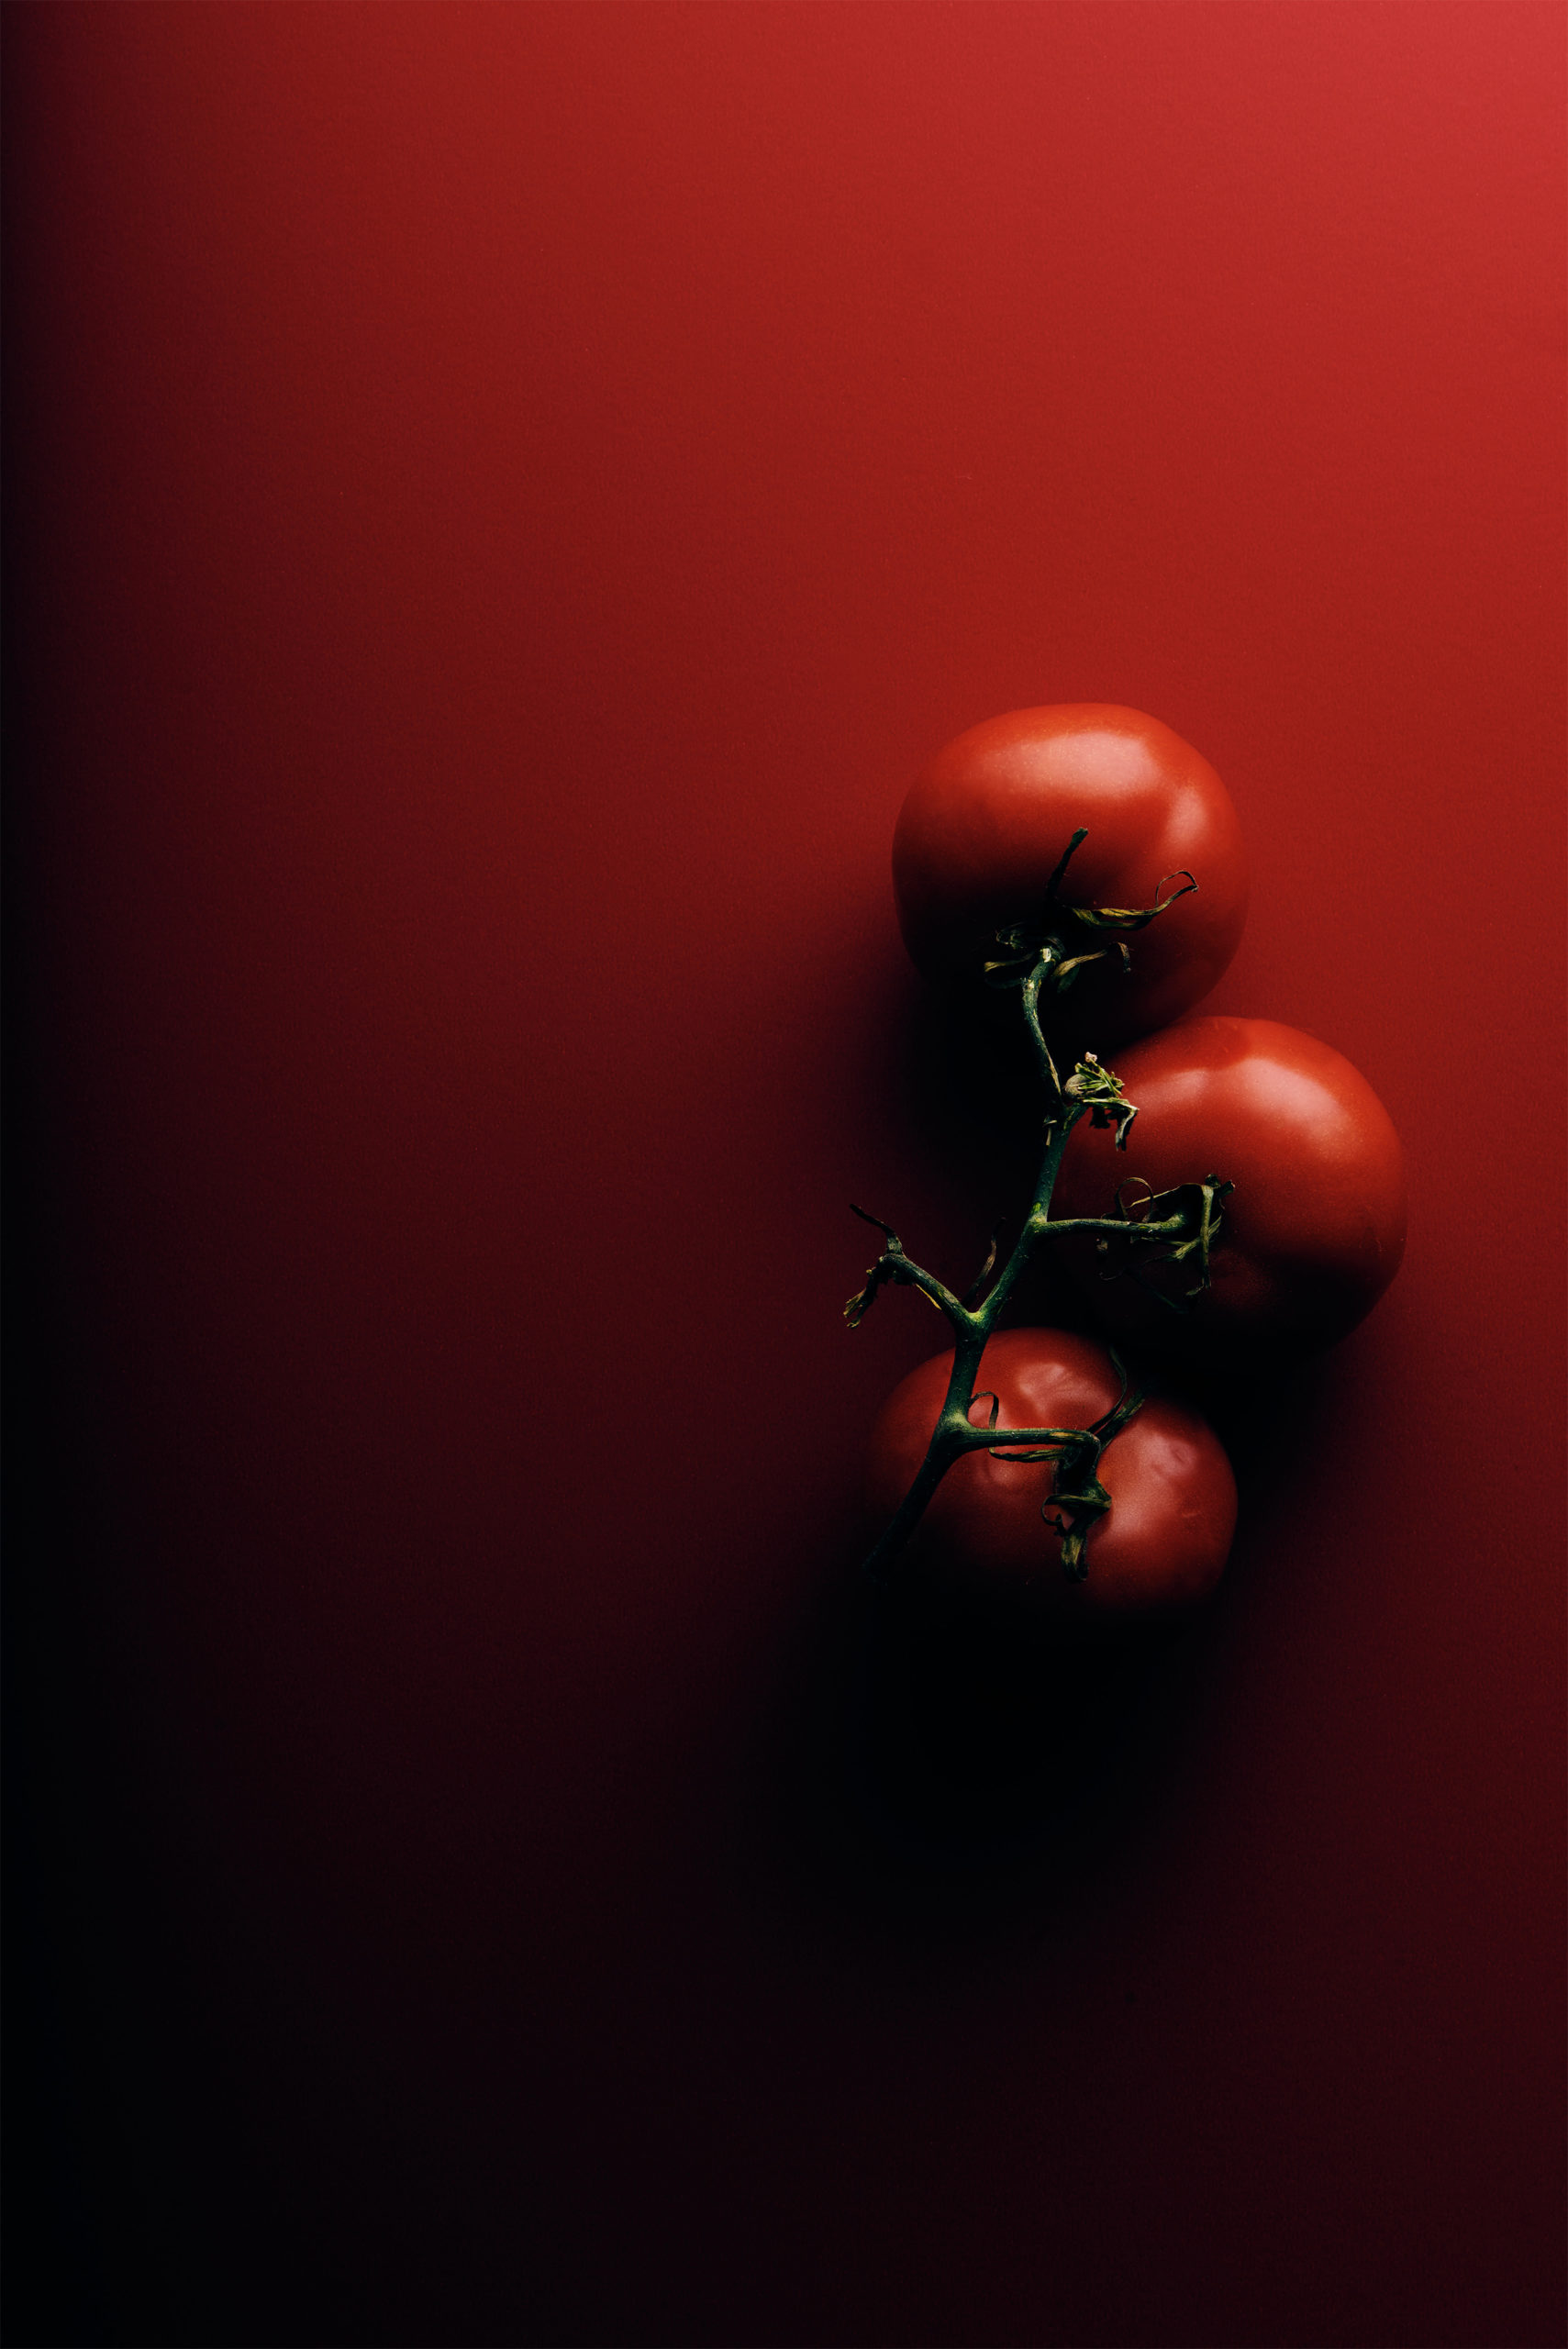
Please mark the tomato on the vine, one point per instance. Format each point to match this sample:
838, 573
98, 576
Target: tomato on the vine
1155, 1555
986, 824
1311, 1235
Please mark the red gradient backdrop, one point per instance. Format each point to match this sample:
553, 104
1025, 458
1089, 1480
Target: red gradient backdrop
503, 500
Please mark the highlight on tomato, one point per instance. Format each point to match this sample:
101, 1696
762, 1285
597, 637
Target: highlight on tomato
1312, 1231
982, 834
1150, 1552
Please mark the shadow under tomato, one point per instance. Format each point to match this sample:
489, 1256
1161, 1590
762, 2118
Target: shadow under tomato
972, 1068
976, 1735
940, 1776
971, 1085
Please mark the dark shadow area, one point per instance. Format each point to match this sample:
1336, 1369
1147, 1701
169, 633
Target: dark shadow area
61, 2250
974, 1738
113, 2113
969, 1073
133, 2203
936, 1774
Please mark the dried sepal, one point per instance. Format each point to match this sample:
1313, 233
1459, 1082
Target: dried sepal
1059, 940
1099, 1090
1200, 1207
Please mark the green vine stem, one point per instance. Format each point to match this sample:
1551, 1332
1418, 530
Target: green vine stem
1036, 958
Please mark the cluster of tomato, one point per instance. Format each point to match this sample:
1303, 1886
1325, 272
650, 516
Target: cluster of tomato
1308, 1236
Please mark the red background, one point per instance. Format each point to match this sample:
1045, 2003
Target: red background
502, 499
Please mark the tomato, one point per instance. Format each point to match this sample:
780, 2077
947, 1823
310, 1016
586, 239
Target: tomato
1156, 1553
1315, 1229
986, 825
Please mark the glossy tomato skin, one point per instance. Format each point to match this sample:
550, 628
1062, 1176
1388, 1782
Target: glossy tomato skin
1154, 1557
984, 826
1315, 1229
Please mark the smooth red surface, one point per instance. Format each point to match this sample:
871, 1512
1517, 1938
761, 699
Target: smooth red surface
1158, 1551
504, 501
979, 838
1313, 1228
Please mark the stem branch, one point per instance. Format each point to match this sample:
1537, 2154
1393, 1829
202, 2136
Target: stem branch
1034, 958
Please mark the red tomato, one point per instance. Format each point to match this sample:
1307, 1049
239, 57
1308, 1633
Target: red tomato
1315, 1229
1157, 1553
985, 827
